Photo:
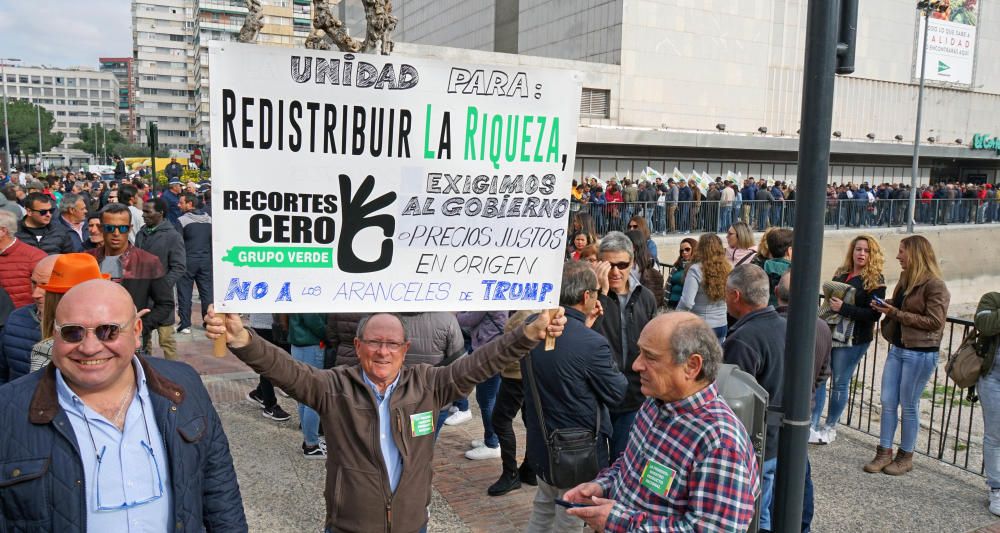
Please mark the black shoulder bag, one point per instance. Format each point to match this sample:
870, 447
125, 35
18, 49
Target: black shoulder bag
572, 451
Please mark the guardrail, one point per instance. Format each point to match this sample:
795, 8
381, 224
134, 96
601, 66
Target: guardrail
712, 216
951, 429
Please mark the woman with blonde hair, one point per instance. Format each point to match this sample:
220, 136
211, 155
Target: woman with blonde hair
704, 291
914, 324
851, 314
740, 247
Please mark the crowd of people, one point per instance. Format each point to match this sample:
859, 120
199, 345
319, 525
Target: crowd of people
626, 428
684, 206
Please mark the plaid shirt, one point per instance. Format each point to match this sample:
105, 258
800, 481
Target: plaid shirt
715, 470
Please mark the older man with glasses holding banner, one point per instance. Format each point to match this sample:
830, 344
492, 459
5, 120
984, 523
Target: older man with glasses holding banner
104, 440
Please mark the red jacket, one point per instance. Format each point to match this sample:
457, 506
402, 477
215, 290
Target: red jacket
16, 264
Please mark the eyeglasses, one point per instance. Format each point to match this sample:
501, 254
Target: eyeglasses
633, 226
157, 489
392, 346
624, 265
121, 228
685, 250
75, 333
44, 212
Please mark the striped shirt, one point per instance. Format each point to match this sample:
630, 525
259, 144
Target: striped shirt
708, 452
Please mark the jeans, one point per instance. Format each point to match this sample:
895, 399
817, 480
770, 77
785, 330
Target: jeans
621, 426
843, 361
903, 379
510, 400
767, 492
547, 517
989, 398
807, 500
312, 356
725, 218
200, 273
486, 396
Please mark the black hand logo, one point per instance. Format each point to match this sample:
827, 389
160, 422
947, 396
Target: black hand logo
357, 216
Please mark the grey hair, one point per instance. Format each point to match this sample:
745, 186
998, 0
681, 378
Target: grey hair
577, 277
364, 322
784, 289
695, 337
616, 241
8, 221
69, 201
752, 283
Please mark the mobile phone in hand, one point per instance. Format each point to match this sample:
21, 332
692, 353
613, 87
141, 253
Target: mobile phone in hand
569, 505
880, 301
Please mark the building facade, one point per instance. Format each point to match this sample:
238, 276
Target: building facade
712, 86
121, 67
75, 96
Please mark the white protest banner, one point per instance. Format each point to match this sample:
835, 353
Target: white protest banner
363, 183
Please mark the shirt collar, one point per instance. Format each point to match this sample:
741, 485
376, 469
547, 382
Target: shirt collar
69, 398
374, 388
691, 403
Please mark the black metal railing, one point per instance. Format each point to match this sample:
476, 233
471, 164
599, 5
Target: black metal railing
713, 216
950, 428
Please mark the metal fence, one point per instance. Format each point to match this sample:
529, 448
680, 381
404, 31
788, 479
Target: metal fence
951, 429
706, 216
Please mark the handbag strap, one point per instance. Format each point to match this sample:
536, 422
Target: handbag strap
530, 377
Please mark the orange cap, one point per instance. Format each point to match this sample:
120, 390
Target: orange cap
71, 270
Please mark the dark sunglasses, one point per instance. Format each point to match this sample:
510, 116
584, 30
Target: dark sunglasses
75, 333
44, 212
633, 226
624, 265
121, 228
685, 250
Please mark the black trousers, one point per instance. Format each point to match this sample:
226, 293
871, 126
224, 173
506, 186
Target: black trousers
265, 389
510, 400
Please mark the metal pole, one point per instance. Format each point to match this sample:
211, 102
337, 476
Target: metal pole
95, 143
916, 136
38, 117
814, 160
104, 138
6, 133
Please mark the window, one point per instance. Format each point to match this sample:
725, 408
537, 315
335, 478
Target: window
595, 103
60, 80
36, 80
177, 38
47, 80
22, 79
60, 113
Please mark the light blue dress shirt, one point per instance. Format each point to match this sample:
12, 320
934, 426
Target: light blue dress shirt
390, 453
127, 471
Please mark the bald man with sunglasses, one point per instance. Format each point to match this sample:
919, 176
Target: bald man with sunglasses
105, 440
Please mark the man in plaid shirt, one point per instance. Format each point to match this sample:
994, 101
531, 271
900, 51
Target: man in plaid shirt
689, 464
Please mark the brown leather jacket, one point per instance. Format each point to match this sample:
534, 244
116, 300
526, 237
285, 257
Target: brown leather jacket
358, 498
923, 316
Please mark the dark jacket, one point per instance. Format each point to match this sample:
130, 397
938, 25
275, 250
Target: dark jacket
48, 493
54, 238
306, 329
73, 235
341, 328
144, 281
196, 230
575, 381
165, 243
483, 326
822, 345
357, 492
861, 312
173, 207
987, 321
21, 331
639, 309
756, 344
922, 317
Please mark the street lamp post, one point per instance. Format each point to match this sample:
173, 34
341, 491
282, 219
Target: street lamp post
6, 133
927, 7
38, 118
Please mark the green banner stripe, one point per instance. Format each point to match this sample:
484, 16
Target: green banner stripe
279, 257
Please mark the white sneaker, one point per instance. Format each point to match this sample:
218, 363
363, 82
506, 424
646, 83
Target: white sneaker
483, 452
476, 443
815, 437
995, 501
457, 418
452, 410
829, 435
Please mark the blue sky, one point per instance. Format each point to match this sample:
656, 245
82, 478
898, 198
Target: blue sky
65, 33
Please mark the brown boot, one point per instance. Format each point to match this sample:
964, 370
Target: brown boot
902, 464
883, 457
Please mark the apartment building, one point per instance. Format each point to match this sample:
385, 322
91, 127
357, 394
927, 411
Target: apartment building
121, 67
76, 96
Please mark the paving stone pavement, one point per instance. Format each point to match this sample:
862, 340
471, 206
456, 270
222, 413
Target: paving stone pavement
282, 491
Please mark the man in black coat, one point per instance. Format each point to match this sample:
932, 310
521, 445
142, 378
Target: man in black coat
575, 383
196, 230
628, 307
159, 238
756, 344
38, 230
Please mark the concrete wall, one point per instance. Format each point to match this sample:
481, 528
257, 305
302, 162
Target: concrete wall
967, 255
